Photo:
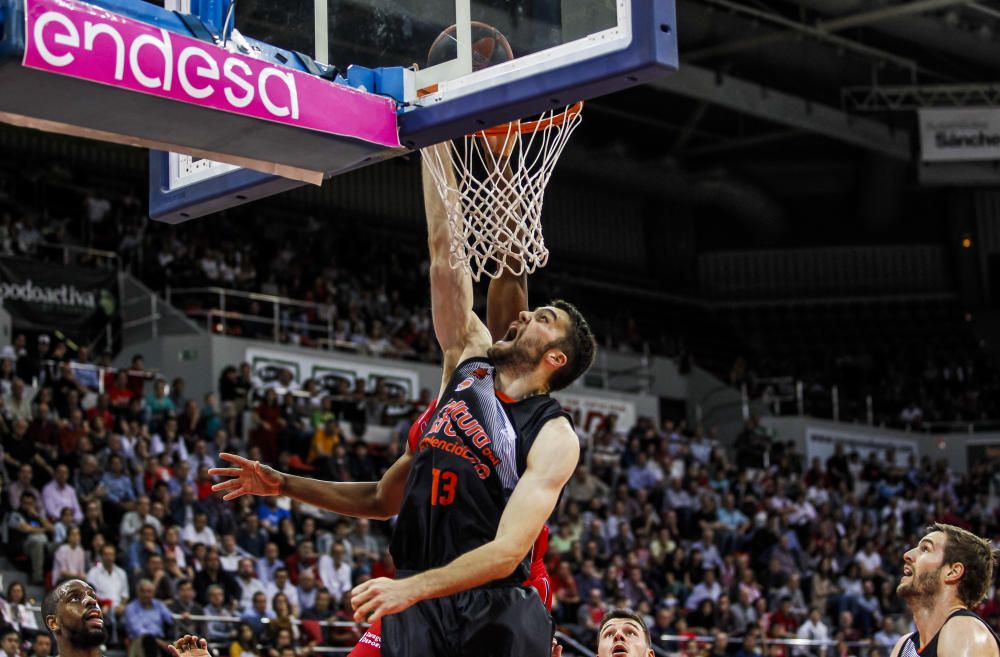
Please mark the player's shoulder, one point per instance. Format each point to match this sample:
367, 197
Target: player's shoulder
558, 441
967, 635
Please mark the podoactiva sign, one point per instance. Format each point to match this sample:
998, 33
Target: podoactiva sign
74, 300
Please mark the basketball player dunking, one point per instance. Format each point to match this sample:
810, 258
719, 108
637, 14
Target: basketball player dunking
474, 455
949, 571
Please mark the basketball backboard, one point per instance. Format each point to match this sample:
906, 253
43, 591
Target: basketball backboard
372, 93
564, 51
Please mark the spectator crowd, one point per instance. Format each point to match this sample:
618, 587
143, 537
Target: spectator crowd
702, 539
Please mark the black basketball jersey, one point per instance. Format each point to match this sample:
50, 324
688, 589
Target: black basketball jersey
911, 647
467, 463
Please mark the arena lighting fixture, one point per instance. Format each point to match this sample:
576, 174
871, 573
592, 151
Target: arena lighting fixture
966, 242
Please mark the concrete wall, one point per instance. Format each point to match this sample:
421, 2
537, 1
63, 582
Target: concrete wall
199, 360
951, 447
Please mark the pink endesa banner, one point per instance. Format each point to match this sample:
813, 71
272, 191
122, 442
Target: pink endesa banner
73, 38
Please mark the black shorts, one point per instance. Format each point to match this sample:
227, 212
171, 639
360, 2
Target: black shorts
506, 621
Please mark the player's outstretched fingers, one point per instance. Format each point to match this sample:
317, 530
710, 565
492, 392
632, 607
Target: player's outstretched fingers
229, 484
235, 459
225, 472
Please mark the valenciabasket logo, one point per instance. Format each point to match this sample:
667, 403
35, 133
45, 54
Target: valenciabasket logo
62, 295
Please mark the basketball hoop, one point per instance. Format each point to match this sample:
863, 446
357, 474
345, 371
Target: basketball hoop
494, 200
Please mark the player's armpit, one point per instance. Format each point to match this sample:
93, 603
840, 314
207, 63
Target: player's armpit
896, 649
965, 636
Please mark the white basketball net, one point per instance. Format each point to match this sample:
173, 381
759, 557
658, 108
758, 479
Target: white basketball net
494, 201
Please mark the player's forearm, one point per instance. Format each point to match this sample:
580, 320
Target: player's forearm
356, 499
438, 232
486, 563
507, 296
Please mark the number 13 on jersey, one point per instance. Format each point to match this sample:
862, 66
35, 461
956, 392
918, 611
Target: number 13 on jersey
443, 487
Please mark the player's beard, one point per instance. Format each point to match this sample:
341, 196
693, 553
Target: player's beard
516, 359
921, 588
88, 637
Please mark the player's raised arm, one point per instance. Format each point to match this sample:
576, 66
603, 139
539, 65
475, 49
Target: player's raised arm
507, 296
455, 324
551, 463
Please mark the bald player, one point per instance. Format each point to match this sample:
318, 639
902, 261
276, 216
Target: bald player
72, 614
948, 572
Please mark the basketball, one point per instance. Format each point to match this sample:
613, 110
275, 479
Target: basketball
489, 47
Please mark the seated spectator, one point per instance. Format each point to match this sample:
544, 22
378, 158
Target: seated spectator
172, 548
245, 643
142, 548
10, 642
110, 582
230, 553
268, 564
58, 494
218, 631
18, 403
322, 610
708, 588
69, 560
324, 440
185, 506
120, 394
271, 514
185, 606
282, 584
147, 621
281, 619
814, 629
212, 574
42, 646
251, 536
306, 590
249, 584
60, 530
158, 404
29, 531
751, 646
198, 531
134, 521
254, 616
16, 613
25, 475
304, 559
335, 572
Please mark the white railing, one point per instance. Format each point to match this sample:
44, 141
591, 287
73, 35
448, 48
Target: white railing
224, 313
109, 259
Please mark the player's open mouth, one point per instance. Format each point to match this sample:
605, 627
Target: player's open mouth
619, 650
510, 334
907, 572
94, 615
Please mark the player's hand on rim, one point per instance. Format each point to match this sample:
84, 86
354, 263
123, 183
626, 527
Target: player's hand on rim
380, 597
250, 478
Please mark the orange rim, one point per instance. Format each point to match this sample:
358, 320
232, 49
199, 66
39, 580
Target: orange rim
525, 127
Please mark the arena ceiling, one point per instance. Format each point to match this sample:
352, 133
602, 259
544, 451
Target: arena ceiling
808, 106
